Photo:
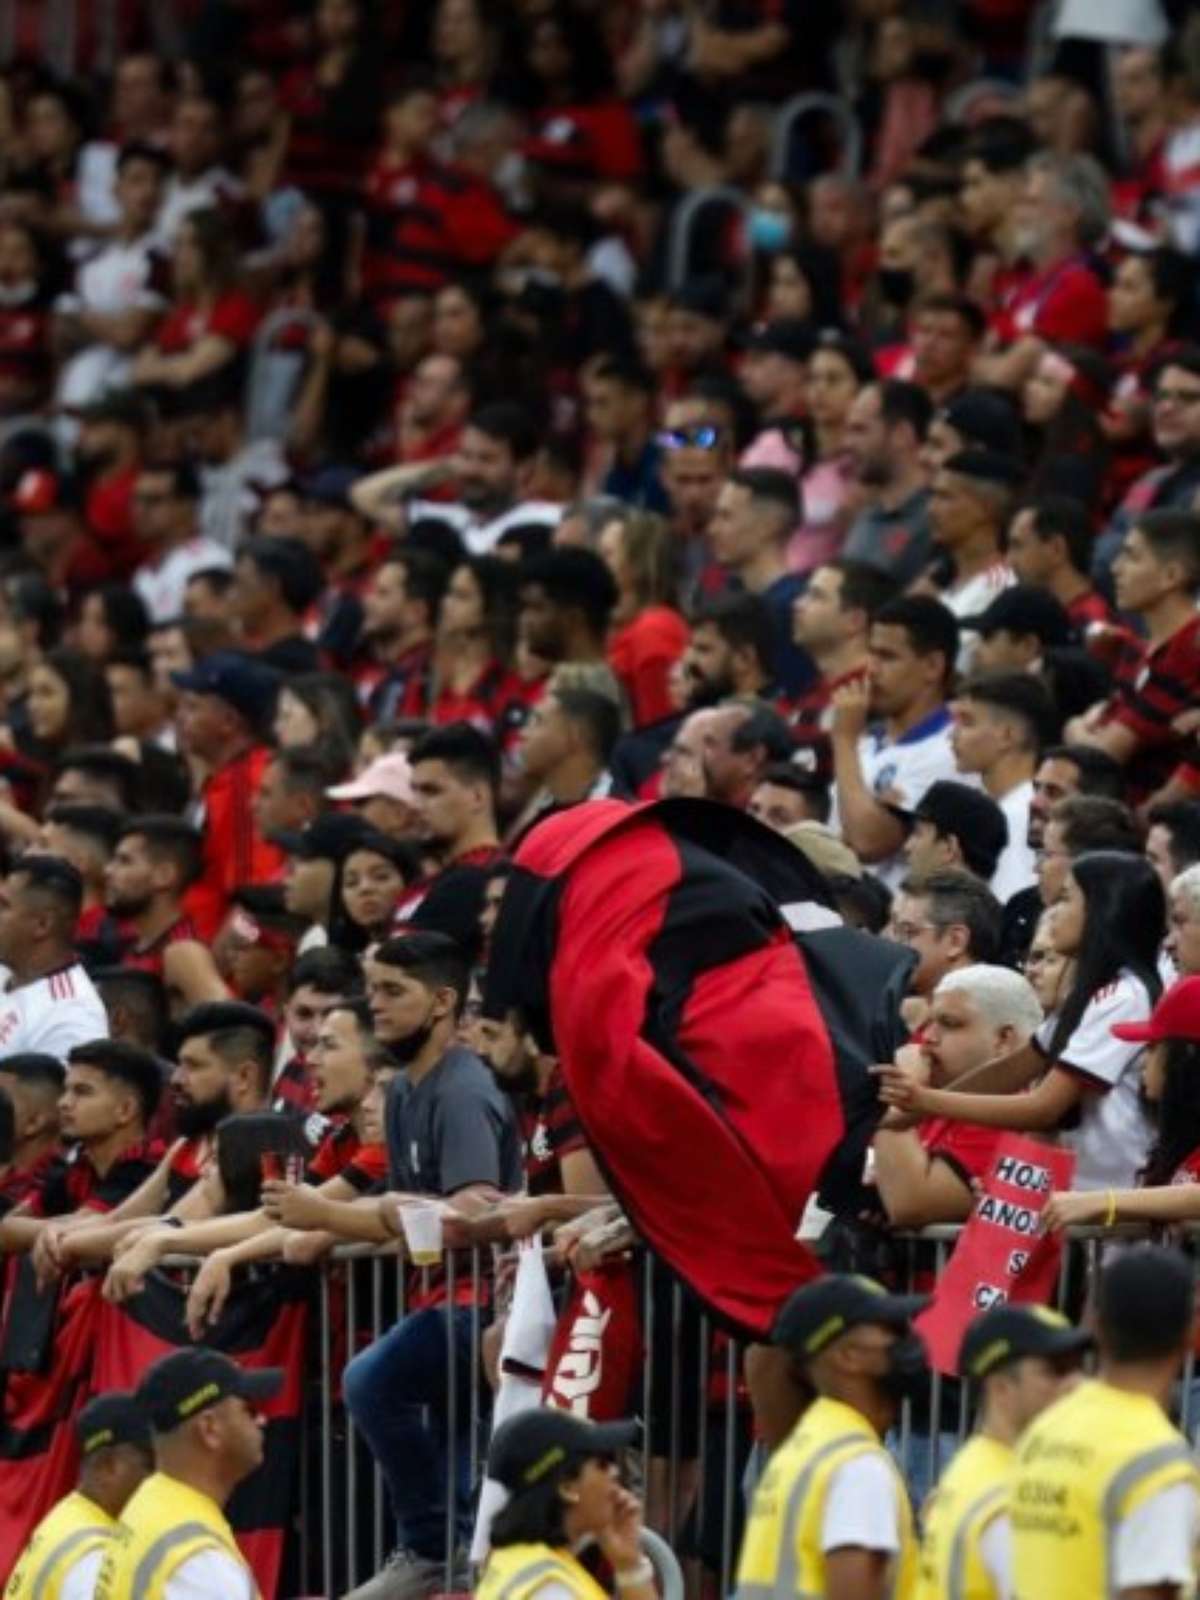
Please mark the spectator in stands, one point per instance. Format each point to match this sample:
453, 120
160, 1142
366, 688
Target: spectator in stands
96, 775
912, 650
1018, 630
1173, 839
648, 634
140, 709
775, 371
51, 1004
947, 331
68, 704
165, 509
1075, 826
925, 1175
951, 919
156, 861
741, 739
33, 1083
400, 610
275, 582
211, 320
955, 825
455, 776
86, 837
1049, 546
969, 507
885, 431
567, 598
756, 511
565, 747
1183, 939
838, 369
785, 796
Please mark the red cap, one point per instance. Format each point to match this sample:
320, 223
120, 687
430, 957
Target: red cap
36, 491
1176, 1016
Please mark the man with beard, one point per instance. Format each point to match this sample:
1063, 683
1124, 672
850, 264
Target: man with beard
400, 612
885, 433
224, 1066
156, 861
730, 654
111, 437
567, 601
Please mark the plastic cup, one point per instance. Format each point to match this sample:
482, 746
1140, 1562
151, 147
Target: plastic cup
422, 1233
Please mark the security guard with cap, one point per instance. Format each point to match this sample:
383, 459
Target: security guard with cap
1023, 1358
63, 1557
173, 1542
831, 1518
1106, 1497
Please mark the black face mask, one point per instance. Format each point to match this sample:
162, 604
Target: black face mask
409, 1045
896, 285
907, 1370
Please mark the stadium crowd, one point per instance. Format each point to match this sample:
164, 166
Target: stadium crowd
420, 421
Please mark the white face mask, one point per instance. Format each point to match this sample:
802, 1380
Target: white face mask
509, 177
17, 294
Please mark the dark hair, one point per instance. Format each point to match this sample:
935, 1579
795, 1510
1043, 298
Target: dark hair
290, 565
218, 579
400, 853
33, 1068
508, 424
125, 1063
1019, 695
596, 714
497, 581
537, 1515
628, 372
957, 896
900, 401
142, 150
433, 959
215, 243
470, 755
787, 775
1146, 1304
234, 1030
958, 305
1176, 1115
822, 271
304, 769
135, 658
1181, 819
425, 575
124, 613
1173, 276
185, 481
1099, 773
1058, 516
328, 970
1172, 536
575, 579
333, 703
762, 728
32, 599
89, 704
242, 1140
864, 587
1125, 919
931, 627
1094, 822
97, 824
744, 622
106, 765
170, 839
773, 487
56, 881
1001, 144
143, 995
830, 341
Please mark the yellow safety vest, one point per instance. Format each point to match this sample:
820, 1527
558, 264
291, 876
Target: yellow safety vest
1083, 1466
73, 1529
518, 1570
970, 1494
781, 1555
164, 1523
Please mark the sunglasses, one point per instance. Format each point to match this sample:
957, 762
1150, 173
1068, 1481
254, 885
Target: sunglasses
700, 438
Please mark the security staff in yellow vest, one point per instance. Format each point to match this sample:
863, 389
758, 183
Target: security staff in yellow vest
173, 1542
831, 1518
62, 1559
1023, 1358
565, 1492
1106, 1498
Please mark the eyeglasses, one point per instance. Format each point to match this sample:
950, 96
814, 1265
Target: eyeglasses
906, 932
700, 438
1177, 397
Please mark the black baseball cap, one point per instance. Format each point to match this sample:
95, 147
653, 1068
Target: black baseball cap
327, 838
186, 1382
813, 1317
786, 336
1010, 1333
1024, 608
985, 419
528, 1446
970, 815
248, 686
986, 466
109, 1419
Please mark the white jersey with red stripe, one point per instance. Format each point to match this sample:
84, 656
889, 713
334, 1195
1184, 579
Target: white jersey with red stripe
52, 1014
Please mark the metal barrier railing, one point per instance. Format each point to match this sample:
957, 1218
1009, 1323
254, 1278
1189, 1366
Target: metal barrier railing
697, 1450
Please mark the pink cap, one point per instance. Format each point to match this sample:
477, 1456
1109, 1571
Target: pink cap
389, 776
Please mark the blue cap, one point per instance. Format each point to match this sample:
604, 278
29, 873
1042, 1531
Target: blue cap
330, 486
248, 686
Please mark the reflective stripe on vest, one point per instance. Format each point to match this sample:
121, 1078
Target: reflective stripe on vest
960, 1548
184, 1533
784, 1585
1126, 1479
64, 1547
529, 1574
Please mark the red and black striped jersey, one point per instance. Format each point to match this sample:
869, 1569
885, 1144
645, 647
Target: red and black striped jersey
549, 1131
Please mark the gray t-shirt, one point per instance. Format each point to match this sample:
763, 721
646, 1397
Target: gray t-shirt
896, 541
456, 1127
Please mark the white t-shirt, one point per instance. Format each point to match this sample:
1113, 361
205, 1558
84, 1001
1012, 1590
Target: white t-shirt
215, 187
161, 584
1156, 1543
1017, 866
907, 765
78, 1582
210, 1575
861, 1507
969, 598
1113, 1135
231, 492
995, 1551
482, 535
51, 1015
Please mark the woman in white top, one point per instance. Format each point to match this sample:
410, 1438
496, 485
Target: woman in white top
1109, 920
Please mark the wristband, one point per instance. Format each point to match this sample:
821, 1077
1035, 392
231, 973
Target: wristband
635, 1577
1110, 1216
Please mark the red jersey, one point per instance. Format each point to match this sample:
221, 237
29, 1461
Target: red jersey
73, 1184
482, 705
549, 1131
426, 223
966, 1147
342, 1154
1086, 608
809, 716
1152, 688
234, 317
19, 1184
25, 356
186, 1166
149, 957
293, 1089
1065, 304
235, 853
641, 655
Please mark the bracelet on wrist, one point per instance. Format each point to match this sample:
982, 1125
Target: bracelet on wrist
635, 1577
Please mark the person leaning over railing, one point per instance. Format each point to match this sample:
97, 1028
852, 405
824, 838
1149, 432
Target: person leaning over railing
1170, 1181
1110, 918
1106, 1495
1023, 1358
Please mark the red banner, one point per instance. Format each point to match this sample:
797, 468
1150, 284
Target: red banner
1002, 1253
596, 1353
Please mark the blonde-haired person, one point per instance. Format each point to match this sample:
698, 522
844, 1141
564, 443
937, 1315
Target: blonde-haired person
648, 634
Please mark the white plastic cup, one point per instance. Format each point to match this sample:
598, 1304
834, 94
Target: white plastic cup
422, 1226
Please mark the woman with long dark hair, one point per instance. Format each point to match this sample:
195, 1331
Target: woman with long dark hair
69, 703
1169, 1184
1110, 919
